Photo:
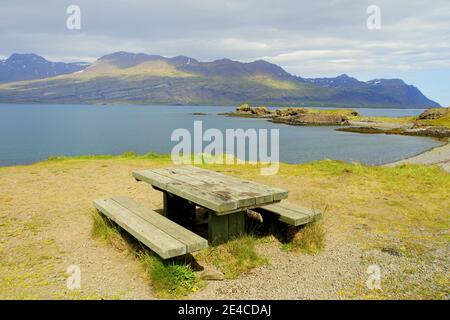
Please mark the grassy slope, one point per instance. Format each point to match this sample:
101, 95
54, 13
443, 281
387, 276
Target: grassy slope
441, 122
403, 210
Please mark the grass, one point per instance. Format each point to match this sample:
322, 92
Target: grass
274, 83
400, 210
104, 229
175, 278
399, 120
169, 279
234, 257
440, 122
341, 112
309, 239
157, 68
374, 204
124, 156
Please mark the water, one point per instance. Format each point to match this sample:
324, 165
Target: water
30, 133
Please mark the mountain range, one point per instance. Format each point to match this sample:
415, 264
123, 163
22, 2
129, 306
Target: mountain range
139, 78
31, 66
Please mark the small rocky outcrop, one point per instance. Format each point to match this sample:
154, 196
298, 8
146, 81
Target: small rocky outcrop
245, 109
305, 119
434, 113
297, 116
289, 112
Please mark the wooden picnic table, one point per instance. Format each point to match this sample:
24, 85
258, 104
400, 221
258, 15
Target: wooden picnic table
226, 198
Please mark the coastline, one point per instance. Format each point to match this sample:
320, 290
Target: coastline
439, 155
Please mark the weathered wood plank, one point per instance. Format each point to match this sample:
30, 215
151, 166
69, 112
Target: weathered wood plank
182, 186
157, 240
267, 193
178, 209
236, 224
192, 241
290, 213
217, 228
202, 197
221, 187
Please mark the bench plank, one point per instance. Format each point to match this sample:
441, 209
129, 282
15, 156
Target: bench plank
157, 240
192, 241
290, 213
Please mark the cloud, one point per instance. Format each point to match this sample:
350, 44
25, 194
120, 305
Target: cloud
308, 38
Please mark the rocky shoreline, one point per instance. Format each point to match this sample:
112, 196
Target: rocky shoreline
427, 124
427, 131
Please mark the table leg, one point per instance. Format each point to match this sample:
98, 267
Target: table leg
225, 227
179, 210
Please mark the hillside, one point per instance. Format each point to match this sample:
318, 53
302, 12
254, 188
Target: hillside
124, 77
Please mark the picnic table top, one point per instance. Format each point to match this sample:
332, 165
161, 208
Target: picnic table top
215, 191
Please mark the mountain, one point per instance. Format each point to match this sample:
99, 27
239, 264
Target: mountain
31, 66
139, 78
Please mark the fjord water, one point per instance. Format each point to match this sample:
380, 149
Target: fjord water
30, 133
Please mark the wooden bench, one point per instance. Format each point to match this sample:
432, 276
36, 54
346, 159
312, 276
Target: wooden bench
290, 213
161, 235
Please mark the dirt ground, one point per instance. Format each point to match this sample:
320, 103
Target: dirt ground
45, 227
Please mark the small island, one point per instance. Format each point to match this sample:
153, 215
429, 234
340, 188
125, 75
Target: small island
433, 122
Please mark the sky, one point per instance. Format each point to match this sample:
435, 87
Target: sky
307, 38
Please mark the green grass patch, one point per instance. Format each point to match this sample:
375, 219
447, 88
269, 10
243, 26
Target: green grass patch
169, 279
234, 257
399, 120
123, 156
309, 239
443, 121
106, 230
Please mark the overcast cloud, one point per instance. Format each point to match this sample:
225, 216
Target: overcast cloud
307, 38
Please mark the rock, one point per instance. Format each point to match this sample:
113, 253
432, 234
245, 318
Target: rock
428, 131
245, 109
212, 274
313, 119
434, 113
286, 112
